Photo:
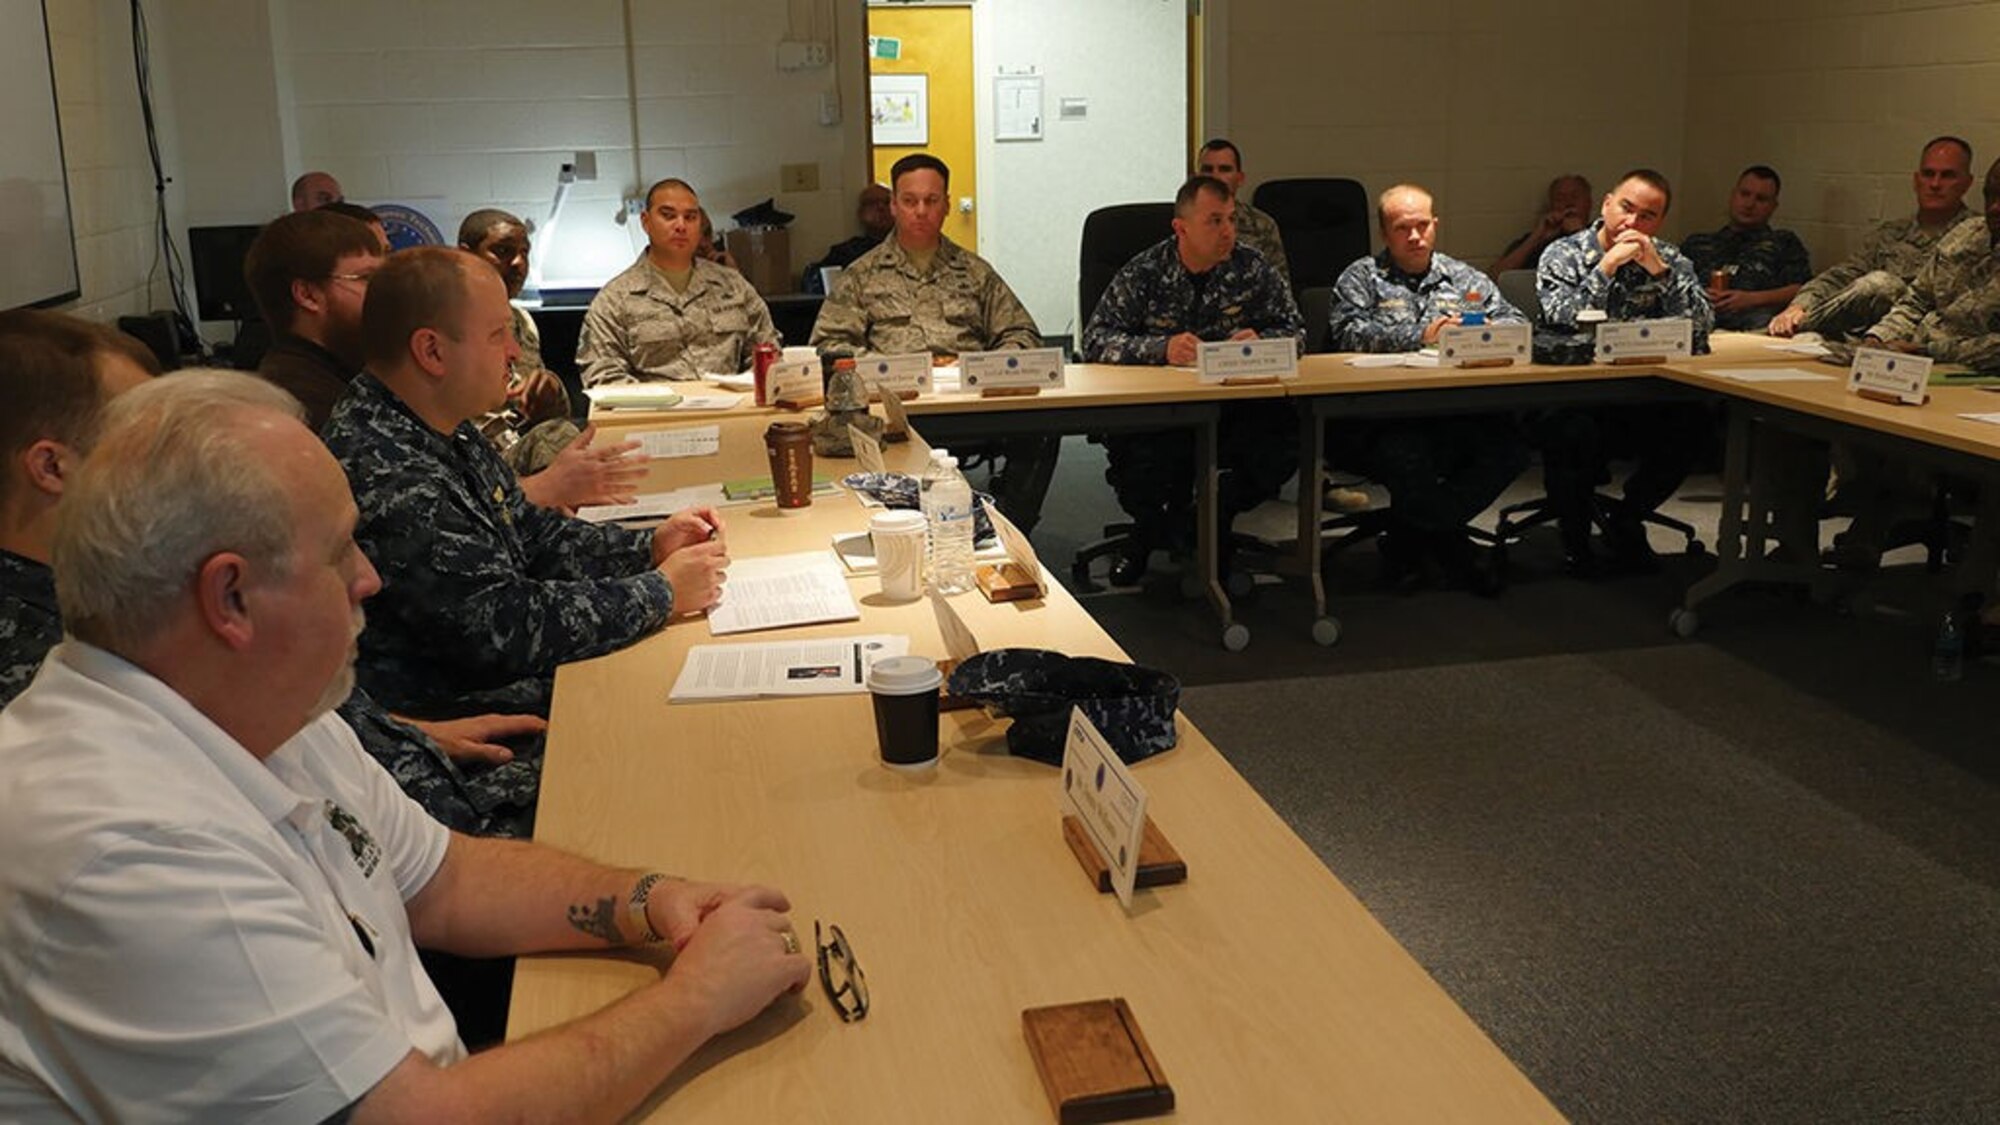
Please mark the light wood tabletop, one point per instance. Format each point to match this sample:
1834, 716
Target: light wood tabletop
1267, 992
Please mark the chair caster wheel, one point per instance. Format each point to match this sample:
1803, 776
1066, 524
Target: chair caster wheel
1696, 549
1191, 584
1236, 637
1326, 632
1683, 622
1239, 585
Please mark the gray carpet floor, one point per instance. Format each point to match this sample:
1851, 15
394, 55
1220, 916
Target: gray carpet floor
1751, 876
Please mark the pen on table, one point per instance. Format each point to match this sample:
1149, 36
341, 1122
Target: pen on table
857, 662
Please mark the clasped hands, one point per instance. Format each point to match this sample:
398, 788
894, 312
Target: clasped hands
1632, 246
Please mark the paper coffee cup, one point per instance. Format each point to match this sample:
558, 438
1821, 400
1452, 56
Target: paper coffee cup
898, 537
905, 693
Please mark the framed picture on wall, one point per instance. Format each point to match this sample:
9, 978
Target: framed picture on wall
899, 109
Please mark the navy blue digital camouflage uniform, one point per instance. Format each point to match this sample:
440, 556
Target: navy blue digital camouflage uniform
1567, 281
1577, 445
483, 592
1756, 259
483, 801
1154, 297
30, 623
1440, 472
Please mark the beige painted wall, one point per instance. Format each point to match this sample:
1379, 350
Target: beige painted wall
1482, 103
476, 103
1838, 97
104, 148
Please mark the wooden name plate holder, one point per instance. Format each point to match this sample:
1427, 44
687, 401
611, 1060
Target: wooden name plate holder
1095, 1063
1159, 864
1006, 582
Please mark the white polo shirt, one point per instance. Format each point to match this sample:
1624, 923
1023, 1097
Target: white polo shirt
187, 933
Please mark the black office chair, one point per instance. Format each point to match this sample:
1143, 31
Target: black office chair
1325, 224
1521, 291
1316, 309
1111, 237
1518, 286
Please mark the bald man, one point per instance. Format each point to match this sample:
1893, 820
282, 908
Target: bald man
314, 190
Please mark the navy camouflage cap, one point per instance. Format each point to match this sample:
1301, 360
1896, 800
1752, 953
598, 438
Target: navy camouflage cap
1132, 706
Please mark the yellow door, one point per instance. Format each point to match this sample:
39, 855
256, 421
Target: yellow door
936, 43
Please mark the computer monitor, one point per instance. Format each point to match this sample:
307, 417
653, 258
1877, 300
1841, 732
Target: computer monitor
219, 288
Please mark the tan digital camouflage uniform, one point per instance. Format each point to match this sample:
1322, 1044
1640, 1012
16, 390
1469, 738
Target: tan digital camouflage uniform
881, 305
1259, 232
1861, 290
638, 330
1952, 309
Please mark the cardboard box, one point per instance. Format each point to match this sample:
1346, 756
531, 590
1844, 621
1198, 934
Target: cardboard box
764, 254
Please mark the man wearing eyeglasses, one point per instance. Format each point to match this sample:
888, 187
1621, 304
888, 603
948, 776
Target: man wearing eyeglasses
212, 899
1617, 268
308, 272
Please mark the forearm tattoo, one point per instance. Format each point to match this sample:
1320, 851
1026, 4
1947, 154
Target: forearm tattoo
599, 920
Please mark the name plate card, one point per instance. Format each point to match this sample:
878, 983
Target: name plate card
867, 450
1100, 792
1248, 361
1021, 575
1484, 345
1020, 372
1645, 341
1890, 376
795, 384
904, 376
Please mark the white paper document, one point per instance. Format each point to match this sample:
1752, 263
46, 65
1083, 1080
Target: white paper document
694, 441
1993, 419
778, 591
653, 505
633, 396
1805, 343
816, 666
1773, 375
707, 402
1395, 359
739, 381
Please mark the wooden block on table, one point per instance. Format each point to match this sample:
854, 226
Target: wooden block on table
1006, 582
1095, 1063
1159, 863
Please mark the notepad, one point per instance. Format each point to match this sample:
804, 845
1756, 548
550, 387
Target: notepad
761, 488
779, 591
694, 441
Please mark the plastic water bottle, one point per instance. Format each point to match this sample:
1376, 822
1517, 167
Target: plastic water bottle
926, 503
1948, 653
947, 502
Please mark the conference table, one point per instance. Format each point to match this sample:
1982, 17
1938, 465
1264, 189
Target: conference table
1265, 990
1767, 497
1095, 399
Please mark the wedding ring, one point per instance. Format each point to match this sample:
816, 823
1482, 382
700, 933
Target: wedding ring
791, 941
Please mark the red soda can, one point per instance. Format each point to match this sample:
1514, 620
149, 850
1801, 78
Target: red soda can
761, 359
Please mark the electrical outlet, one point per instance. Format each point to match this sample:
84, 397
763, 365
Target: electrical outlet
794, 54
798, 177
